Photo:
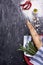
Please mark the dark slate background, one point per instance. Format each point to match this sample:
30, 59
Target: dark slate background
12, 30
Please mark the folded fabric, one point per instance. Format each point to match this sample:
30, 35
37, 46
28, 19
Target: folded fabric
37, 59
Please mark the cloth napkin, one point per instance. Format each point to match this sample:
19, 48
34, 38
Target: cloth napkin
37, 59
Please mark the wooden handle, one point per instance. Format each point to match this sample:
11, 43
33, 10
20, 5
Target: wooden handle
34, 35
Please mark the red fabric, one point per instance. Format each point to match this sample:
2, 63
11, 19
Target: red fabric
27, 60
28, 5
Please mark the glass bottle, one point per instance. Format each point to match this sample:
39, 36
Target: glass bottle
35, 20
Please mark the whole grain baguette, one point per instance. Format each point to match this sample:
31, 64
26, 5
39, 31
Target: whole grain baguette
34, 35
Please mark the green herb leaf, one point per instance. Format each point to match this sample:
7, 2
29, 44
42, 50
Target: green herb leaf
29, 49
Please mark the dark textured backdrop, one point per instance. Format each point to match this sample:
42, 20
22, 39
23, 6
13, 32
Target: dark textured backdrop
12, 30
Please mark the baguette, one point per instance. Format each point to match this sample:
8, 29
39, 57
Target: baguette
34, 35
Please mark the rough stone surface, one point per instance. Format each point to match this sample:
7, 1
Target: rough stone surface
12, 30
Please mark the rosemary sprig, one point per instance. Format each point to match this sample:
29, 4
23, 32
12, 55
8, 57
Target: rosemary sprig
29, 49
